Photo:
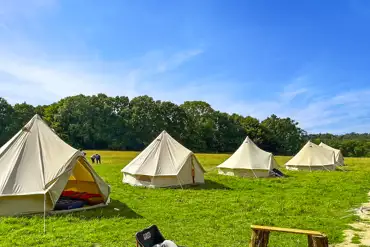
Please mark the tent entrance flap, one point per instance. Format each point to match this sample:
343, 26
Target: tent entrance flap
36, 161
144, 178
81, 180
80, 191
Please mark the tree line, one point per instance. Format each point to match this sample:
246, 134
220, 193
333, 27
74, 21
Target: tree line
118, 123
351, 144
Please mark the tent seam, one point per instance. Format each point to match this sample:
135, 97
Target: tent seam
41, 159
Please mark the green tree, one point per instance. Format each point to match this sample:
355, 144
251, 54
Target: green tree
6, 123
121, 132
22, 114
172, 118
284, 134
228, 133
144, 116
102, 122
255, 130
199, 126
84, 121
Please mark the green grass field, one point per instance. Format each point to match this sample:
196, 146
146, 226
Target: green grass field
218, 213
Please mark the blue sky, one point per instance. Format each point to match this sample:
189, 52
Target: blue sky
308, 60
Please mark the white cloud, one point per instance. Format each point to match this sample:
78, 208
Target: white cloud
178, 59
52, 79
31, 72
47, 79
315, 110
293, 90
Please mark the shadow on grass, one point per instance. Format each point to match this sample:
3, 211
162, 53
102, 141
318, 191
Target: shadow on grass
210, 185
281, 177
115, 209
344, 168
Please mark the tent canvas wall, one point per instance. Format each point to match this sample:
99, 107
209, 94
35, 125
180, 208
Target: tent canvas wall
339, 159
248, 161
36, 166
164, 163
312, 157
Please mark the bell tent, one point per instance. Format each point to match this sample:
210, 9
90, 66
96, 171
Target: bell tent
312, 157
339, 159
164, 163
36, 167
249, 161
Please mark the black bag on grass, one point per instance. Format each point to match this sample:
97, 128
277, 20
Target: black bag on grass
149, 237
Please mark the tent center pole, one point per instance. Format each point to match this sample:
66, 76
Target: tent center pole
44, 213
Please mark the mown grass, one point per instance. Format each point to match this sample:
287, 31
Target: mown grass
218, 213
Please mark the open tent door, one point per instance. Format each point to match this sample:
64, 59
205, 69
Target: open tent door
81, 190
81, 179
36, 166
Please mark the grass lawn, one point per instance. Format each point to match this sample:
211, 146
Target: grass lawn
217, 214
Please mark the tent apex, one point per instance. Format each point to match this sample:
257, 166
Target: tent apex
162, 134
36, 116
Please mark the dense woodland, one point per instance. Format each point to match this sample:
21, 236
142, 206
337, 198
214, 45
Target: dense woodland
117, 123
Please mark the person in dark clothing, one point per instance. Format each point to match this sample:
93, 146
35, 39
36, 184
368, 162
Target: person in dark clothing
84, 154
97, 158
93, 157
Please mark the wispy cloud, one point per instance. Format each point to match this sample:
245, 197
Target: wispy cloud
316, 109
50, 79
178, 59
45, 80
33, 72
295, 88
335, 112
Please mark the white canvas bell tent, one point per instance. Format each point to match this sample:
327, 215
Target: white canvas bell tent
164, 163
36, 166
312, 157
248, 161
339, 159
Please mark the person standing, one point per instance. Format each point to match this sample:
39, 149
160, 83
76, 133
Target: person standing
93, 157
97, 157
